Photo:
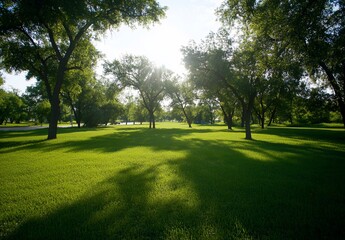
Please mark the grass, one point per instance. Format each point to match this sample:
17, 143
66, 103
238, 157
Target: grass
129, 182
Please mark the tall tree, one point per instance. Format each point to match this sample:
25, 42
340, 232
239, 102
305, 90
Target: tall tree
138, 72
41, 36
313, 30
236, 72
183, 96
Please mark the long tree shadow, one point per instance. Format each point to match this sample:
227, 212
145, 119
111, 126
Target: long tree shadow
318, 134
219, 190
119, 139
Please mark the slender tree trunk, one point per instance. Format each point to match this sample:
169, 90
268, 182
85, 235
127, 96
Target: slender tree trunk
189, 121
227, 118
262, 119
153, 121
248, 114
272, 116
78, 117
243, 117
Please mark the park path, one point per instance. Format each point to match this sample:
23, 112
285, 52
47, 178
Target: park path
21, 128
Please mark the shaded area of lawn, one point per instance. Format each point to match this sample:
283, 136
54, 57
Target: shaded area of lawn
220, 189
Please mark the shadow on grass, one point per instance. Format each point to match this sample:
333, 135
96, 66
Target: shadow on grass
281, 192
330, 135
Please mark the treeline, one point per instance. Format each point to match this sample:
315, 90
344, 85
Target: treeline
256, 68
101, 102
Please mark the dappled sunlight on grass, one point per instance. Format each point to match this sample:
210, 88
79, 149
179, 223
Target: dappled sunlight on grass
130, 182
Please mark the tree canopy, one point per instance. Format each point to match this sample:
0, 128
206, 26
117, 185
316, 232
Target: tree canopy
138, 72
313, 31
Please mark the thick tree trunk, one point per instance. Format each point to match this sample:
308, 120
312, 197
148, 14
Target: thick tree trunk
229, 121
55, 113
55, 101
152, 125
247, 125
189, 123
227, 118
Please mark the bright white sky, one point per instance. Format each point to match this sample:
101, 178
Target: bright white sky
185, 20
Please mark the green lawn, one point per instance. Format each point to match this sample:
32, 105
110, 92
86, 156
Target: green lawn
129, 182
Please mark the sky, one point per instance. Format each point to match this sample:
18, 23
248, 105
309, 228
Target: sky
185, 20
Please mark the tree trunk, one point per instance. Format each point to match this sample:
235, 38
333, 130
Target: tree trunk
262, 120
227, 118
189, 121
247, 118
272, 116
248, 114
77, 115
153, 121
55, 101
242, 117
55, 113
229, 121
340, 95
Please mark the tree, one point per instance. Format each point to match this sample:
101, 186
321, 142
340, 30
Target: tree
228, 104
138, 72
42, 111
314, 31
11, 107
237, 72
182, 96
94, 103
139, 112
42, 36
